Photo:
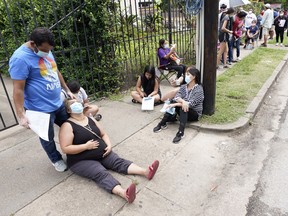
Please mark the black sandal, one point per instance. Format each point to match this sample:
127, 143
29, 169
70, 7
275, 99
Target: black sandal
98, 117
134, 101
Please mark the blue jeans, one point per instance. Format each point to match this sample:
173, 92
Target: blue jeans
238, 47
231, 47
58, 117
230, 50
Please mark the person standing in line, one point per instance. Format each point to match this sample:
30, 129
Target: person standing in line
249, 18
231, 40
266, 23
252, 34
237, 32
280, 23
37, 85
224, 35
271, 32
248, 21
259, 19
223, 9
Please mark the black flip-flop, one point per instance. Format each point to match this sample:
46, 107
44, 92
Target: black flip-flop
98, 117
134, 101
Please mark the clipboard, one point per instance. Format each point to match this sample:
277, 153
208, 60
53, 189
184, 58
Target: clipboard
147, 103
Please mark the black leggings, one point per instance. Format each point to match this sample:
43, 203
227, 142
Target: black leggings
191, 115
179, 68
279, 32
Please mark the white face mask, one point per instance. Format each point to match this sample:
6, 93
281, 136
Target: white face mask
76, 108
250, 12
41, 54
166, 46
187, 79
281, 14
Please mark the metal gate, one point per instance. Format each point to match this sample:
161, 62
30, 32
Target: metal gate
7, 115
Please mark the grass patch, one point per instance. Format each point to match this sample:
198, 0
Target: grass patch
237, 87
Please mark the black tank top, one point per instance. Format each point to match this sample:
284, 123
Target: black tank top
81, 136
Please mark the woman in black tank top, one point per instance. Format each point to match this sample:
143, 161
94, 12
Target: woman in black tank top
89, 153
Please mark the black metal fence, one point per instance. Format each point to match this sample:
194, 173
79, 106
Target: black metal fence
104, 44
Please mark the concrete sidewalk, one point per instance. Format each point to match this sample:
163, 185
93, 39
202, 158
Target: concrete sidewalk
31, 186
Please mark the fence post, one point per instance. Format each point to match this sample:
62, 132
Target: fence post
210, 55
169, 22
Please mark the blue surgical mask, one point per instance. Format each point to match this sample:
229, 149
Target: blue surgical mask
76, 108
41, 54
187, 79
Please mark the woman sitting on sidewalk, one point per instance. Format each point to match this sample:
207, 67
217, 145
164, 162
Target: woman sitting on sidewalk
89, 153
147, 86
188, 103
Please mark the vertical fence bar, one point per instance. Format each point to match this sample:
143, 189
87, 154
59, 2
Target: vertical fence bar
22, 19
78, 40
169, 22
8, 98
137, 8
87, 50
11, 22
4, 45
69, 37
33, 13
45, 13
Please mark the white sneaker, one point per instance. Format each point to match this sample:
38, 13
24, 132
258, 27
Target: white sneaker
276, 44
60, 166
281, 45
239, 59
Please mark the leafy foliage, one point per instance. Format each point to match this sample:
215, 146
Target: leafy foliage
100, 43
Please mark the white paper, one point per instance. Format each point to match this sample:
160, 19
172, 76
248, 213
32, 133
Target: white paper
282, 23
148, 103
39, 123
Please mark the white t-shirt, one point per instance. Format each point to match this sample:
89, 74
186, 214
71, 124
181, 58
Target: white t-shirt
249, 18
80, 96
268, 18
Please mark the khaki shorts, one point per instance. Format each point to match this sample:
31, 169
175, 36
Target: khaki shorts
266, 31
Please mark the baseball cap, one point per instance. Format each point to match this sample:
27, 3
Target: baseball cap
267, 5
223, 6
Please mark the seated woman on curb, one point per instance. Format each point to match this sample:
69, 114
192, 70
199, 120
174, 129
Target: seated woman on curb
147, 86
188, 103
89, 153
165, 54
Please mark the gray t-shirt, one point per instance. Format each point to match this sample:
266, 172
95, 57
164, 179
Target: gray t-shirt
226, 17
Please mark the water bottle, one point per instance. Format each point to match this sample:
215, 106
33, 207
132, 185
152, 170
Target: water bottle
167, 102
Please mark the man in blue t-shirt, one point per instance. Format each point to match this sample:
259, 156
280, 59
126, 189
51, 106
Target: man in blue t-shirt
37, 85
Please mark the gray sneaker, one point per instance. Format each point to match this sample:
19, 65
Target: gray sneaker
60, 166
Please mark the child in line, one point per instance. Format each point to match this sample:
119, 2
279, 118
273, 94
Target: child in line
252, 34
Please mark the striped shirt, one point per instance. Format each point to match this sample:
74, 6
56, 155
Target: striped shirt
194, 96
